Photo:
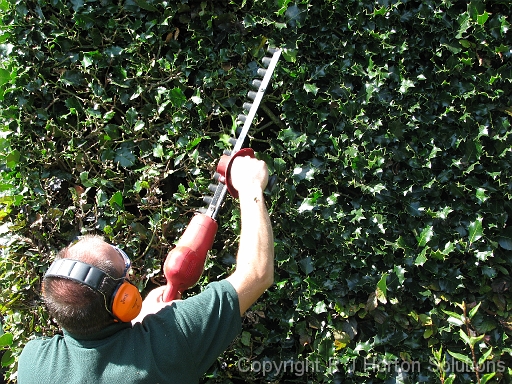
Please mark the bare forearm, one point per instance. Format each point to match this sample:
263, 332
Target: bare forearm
254, 271
256, 252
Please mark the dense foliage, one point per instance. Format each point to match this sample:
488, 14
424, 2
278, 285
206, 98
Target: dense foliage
388, 125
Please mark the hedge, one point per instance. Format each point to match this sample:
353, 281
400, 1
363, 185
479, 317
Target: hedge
387, 125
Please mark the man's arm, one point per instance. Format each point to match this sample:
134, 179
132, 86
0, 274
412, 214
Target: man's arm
254, 271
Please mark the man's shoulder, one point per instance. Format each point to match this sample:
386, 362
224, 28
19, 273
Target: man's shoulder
36, 353
41, 342
222, 286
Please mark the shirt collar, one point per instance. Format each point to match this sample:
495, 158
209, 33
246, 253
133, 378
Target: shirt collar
102, 334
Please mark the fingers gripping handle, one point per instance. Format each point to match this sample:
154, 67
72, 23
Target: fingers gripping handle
224, 168
185, 263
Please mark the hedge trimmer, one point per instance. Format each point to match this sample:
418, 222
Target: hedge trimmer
185, 263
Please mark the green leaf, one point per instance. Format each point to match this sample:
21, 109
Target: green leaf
454, 318
425, 236
107, 116
139, 125
325, 348
194, 143
484, 357
124, 155
6, 340
463, 358
246, 338
77, 4
304, 172
5, 76
158, 151
131, 116
483, 18
400, 273
73, 104
117, 199
475, 339
455, 321
4, 5
382, 287
480, 195
89, 58
279, 165
7, 358
290, 55
505, 239
145, 5
474, 310
465, 337
307, 204
283, 4
464, 24
421, 258
101, 198
475, 230
294, 15
72, 77
486, 377
84, 179
441, 254
306, 264
178, 98
13, 159
311, 88
113, 51
405, 85
320, 307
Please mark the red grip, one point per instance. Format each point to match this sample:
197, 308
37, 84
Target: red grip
224, 168
185, 263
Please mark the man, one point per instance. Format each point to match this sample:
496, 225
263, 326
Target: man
169, 342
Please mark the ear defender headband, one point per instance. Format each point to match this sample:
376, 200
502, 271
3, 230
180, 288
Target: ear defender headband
125, 302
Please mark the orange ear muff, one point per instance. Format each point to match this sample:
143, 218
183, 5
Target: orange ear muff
126, 302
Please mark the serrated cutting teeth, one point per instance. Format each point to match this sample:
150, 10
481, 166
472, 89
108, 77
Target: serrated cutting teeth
256, 83
262, 72
243, 123
207, 199
212, 187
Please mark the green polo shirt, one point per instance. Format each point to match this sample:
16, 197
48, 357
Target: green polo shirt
176, 345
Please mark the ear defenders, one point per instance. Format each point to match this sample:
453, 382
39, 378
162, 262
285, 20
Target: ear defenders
125, 302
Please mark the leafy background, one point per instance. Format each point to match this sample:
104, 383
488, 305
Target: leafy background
387, 125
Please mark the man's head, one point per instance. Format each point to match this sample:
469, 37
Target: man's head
79, 309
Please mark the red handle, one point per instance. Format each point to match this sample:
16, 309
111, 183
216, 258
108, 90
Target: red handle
185, 263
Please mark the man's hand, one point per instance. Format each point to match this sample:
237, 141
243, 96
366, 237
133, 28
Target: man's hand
152, 304
249, 174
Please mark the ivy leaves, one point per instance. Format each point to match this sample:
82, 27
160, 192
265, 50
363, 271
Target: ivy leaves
505, 240
387, 128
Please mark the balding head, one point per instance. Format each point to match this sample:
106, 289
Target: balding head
78, 308
93, 249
